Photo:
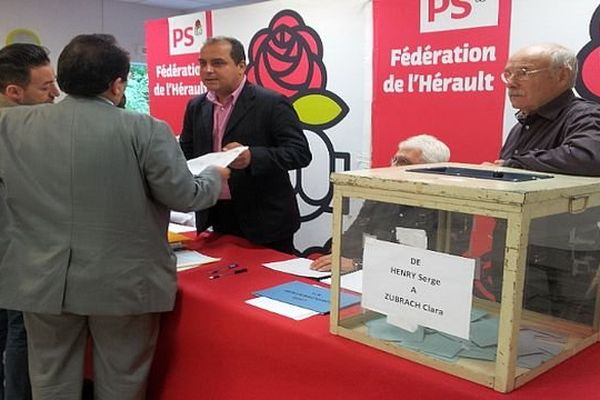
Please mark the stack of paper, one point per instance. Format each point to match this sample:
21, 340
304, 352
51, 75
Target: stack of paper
311, 297
298, 300
176, 240
189, 259
534, 347
281, 308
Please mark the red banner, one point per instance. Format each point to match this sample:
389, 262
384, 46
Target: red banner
437, 66
173, 47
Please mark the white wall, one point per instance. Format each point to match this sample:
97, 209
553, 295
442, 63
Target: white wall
534, 21
58, 21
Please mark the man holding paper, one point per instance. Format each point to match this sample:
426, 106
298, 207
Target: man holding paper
259, 202
88, 187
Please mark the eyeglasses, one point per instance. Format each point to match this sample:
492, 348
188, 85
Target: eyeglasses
399, 161
521, 74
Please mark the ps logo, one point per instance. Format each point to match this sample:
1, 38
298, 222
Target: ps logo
444, 15
186, 34
182, 37
462, 9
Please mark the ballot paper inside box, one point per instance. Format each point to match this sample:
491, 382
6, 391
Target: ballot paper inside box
489, 274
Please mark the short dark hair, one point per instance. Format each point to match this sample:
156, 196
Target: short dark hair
237, 48
89, 63
16, 62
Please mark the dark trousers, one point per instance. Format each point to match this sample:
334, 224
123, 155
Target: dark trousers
559, 293
223, 219
3, 332
552, 286
13, 339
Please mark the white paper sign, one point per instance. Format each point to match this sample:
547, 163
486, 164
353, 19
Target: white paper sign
418, 286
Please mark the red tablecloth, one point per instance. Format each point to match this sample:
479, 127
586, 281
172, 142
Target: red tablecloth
214, 346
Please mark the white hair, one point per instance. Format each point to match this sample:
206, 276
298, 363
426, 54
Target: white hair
433, 150
560, 57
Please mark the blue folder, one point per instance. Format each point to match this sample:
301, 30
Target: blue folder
307, 296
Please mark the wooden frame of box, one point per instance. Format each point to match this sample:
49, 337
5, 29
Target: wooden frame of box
518, 203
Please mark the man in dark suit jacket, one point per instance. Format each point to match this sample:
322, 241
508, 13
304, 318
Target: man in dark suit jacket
259, 202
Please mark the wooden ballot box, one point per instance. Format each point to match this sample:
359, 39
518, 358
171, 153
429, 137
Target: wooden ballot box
486, 273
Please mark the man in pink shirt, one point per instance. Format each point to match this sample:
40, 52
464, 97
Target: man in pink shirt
259, 202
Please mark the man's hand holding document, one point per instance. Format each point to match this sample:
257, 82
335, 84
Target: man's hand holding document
220, 159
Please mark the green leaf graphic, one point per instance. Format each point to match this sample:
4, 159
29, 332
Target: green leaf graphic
316, 109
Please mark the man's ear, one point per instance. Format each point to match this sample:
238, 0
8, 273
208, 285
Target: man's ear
117, 87
14, 93
565, 75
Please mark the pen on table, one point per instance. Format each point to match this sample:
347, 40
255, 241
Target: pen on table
227, 273
220, 270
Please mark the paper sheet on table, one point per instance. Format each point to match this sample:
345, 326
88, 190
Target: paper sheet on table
189, 259
351, 281
183, 218
178, 228
281, 308
176, 240
220, 159
302, 294
296, 266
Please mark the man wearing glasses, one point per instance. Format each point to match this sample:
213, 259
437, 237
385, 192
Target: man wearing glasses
381, 220
557, 132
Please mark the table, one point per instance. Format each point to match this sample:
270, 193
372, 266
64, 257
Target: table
214, 346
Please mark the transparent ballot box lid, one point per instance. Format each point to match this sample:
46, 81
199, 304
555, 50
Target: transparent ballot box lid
462, 274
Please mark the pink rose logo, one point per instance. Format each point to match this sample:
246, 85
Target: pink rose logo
588, 79
287, 56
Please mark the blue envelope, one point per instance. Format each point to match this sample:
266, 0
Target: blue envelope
307, 296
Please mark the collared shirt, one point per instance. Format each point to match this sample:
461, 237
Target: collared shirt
221, 114
562, 136
106, 100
